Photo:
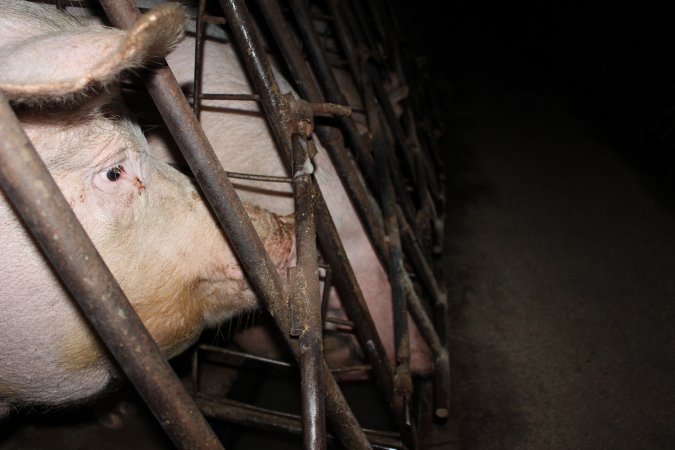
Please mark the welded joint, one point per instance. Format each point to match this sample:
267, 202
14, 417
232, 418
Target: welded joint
300, 114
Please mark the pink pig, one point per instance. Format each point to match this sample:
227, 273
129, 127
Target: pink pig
146, 219
243, 142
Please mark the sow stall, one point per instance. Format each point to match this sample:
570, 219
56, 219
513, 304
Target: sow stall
392, 174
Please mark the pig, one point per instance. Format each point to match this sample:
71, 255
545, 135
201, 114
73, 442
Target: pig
147, 220
243, 142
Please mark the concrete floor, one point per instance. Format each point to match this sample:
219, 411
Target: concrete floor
562, 273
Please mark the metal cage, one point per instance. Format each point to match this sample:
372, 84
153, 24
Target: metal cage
392, 173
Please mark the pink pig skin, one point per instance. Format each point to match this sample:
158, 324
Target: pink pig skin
146, 219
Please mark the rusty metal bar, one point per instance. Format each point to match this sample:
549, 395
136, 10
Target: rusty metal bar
246, 415
366, 54
362, 56
442, 362
402, 376
199, 57
257, 177
352, 297
427, 278
331, 138
360, 15
346, 42
46, 213
332, 90
305, 285
279, 116
402, 279
239, 97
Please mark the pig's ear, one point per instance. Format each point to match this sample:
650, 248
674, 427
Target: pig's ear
62, 64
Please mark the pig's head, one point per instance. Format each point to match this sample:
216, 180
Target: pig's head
146, 219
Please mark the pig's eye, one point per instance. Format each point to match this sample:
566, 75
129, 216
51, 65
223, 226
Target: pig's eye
115, 173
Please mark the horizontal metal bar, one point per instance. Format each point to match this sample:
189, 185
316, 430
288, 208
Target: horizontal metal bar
256, 177
236, 97
247, 415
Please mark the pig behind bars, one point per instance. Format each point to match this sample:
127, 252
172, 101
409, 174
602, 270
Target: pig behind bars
146, 219
241, 139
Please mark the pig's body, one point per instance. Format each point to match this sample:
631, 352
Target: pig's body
241, 138
146, 219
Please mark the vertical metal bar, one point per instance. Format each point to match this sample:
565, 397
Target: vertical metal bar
199, 59
46, 213
442, 363
427, 278
330, 137
355, 306
397, 178
402, 381
346, 42
311, 340
360, 16
332, 89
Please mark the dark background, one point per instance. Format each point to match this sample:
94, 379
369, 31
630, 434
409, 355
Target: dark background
615, 59
560, 229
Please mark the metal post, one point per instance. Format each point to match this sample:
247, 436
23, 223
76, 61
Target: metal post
305, 287
47, 215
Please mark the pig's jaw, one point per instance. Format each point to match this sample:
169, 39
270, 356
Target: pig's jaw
225, 298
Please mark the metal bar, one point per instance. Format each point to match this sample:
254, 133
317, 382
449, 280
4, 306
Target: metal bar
307, 288
257, 177
352, 297
331, 138
46, 213
427, 278
199, 58
239, 359
360, 16
332, 89
346, 42
236, 97
442, 362
275, 105
342, 10
232, 411
353, 300
402, 380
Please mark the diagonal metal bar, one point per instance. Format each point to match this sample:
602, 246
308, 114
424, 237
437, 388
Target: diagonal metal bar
330, 137
332, 89
339, 415
332, 248
39, 202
